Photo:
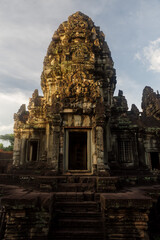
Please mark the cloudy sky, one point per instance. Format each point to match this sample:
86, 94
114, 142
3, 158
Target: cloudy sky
131, 27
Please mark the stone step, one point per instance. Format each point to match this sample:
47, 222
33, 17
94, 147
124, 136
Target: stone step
131, 172
66, 223
84, 206
79, 215
76, 196
62, 183
78, 235
75, 187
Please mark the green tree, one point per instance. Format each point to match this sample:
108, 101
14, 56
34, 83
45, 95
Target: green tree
1, 146
7, 137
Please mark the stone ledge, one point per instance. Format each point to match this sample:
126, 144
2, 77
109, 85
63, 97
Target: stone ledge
138, 198
18, 196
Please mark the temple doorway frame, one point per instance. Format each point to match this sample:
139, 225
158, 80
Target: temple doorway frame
33, 150
67, 147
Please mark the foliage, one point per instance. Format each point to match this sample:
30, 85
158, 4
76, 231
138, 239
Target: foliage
7, 137
1, 146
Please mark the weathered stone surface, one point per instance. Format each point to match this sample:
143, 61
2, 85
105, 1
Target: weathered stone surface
126, 215
78, 81
71, 139
62, 215
75, 62
151, 103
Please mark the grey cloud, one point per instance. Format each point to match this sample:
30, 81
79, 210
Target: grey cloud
10, 84
27, 26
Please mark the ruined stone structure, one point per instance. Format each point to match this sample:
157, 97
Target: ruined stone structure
68, 128
78, 125
84, 167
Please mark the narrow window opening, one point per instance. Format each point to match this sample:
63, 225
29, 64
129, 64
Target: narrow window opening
155, 160
125, 151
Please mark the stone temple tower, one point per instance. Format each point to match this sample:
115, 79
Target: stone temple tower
67, 129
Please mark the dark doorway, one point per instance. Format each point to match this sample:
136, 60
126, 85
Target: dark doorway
77, 150
33, 150
155, 160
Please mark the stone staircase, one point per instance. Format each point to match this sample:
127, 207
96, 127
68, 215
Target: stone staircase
77, 184
77, 218
64, 183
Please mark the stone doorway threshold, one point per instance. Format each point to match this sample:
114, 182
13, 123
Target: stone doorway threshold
77, 172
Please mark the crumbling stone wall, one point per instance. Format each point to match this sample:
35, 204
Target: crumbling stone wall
27, 214
151, 103
135, 134
126, 215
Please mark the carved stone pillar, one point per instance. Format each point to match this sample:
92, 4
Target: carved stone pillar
55, 142
101, 139
16, 152
55, 147
23, 151
100, 148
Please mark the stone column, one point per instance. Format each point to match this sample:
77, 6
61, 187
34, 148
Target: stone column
135, 150
55, 147
23, 151
49, 142
141, 151
16, 152
47, 136
100, 121
100, 148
